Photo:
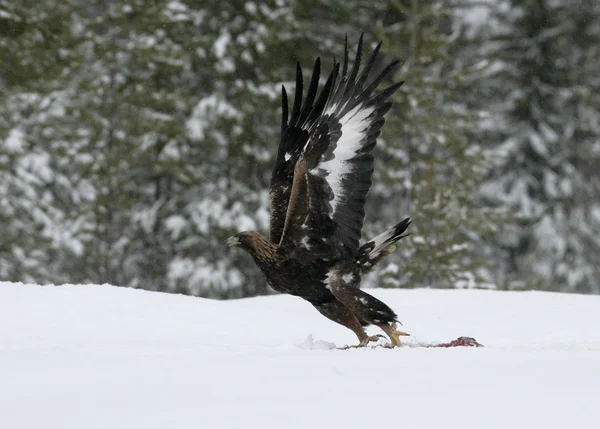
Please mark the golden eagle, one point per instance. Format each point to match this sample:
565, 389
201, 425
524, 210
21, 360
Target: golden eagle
319, 185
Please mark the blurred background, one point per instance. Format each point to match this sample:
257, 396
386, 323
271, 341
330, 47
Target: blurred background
137, 135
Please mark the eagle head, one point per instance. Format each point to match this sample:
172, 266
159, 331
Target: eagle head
243, 239
235, 240
253, 242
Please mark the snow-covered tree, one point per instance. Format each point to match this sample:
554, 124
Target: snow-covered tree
34, 53
136, 136
546, 100
157, 142
430, 167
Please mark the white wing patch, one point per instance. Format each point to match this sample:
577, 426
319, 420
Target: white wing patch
382, 238
354, 129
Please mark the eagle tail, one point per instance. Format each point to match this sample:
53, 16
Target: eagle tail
372, 252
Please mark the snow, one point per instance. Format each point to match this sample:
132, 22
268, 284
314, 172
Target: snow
220, 46
207, 111
8, 16
98, 356
250, 7
15, 142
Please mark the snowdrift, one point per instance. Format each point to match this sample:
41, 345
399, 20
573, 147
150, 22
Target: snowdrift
99, 356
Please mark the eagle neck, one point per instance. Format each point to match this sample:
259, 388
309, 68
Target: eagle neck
262, 249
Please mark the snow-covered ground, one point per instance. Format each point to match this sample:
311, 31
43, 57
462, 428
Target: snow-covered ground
86, 356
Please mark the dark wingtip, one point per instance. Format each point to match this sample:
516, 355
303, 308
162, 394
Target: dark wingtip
284, 109
402, 227
360, 44
357, 60
298, 71
392, 66
364, 75
298, 94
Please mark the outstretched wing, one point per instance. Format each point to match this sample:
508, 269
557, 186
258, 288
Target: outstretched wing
294, 136
334, 165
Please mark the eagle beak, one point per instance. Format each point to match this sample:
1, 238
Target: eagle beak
232, 241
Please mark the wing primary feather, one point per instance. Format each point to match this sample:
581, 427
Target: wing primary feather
324, 96
345, 66
380, 97
298, 95
377, 80
312, 92
346, 83
340, 85
357, 60
284, 109
364, 75
385, 107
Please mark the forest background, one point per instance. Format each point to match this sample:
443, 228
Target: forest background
136, 136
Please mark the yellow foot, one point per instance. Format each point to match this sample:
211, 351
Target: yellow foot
395, 335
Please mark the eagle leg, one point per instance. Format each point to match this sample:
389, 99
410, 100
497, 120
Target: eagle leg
393, 333
339, 313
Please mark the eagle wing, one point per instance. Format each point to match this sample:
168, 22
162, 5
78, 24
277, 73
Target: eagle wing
294, 135
330, 163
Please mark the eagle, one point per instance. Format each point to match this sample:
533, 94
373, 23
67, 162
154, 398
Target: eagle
317, 194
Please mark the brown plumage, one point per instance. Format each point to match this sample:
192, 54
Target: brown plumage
319, 184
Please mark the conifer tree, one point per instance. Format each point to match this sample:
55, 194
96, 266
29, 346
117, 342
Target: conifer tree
431, 168
547, 95
156, 139
34, 54
135, 136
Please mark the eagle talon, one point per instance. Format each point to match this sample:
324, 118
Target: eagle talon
394, 334
365, 341
395, 337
